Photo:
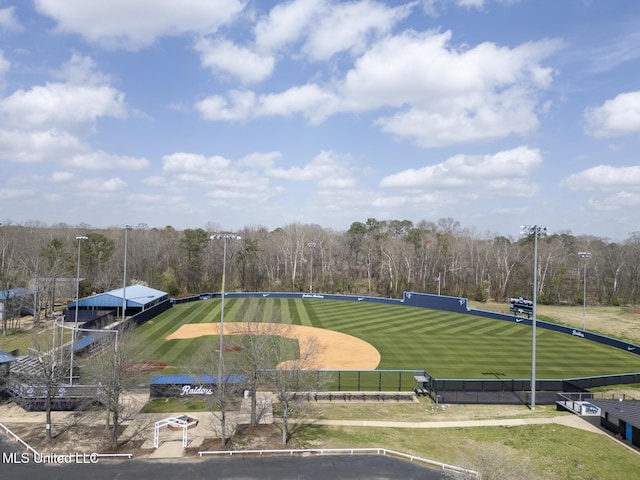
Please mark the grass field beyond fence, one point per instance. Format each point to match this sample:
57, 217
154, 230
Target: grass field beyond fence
447, 345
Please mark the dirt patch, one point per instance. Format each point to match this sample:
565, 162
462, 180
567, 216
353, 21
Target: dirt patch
332, 350
246, 437
230, 348
147, 366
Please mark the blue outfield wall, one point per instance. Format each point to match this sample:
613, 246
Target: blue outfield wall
460, 305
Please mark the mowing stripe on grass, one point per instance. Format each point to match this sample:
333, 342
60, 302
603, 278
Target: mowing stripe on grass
447, 345
292, 307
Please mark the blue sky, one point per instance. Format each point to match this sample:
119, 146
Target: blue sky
237, 113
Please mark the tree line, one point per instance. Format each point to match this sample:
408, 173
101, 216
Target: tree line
374, 257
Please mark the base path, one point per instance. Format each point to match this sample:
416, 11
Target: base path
328, 350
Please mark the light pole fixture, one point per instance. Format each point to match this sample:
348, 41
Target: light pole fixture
536, 231
224, 238
585, 256
311, 245
75, 326
127, 227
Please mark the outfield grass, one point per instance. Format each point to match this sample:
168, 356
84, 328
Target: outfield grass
447, 345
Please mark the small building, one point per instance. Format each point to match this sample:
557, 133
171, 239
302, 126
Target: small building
621, 417
6, 359
16, 302
182, 385
138, 299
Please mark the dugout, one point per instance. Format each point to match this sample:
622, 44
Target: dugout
183, 385
622, 417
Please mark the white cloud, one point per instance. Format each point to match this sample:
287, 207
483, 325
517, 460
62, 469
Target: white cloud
99, 160
137, 24
351, 26
497, 173
5, 65
482, 92
438, 95
98, 186
259, 160
617, 117
81, 70
8, 21
37, 146
221, 55
62, 177
311, 101
286, 23
604, 178
329, 169
60, 105
193, 164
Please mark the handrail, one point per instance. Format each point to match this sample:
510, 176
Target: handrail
351, 451
37, 454
18, 439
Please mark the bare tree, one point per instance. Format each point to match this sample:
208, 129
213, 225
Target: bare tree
50, 372
114, 371
291, 377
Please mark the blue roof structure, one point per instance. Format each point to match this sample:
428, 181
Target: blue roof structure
6, 358
15, 293
137, 296
183, 379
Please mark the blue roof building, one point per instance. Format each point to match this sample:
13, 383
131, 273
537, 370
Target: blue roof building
138, 298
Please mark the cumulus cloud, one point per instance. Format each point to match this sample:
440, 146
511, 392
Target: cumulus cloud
191, 163
438, 94
497, 173
604, 177
81, 70
99, 160
285, 23
329, 169
96, 186
310, 100
135, 25
351, 26
616, 117
221, 55
615, 188
5, 65
37, 146
61, 105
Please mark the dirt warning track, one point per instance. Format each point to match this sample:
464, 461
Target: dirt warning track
331, 350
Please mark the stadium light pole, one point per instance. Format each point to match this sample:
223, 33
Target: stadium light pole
312, 246
536, 231
73, 330
224, 238
127, 227
584, 256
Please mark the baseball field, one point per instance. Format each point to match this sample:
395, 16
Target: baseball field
367, 336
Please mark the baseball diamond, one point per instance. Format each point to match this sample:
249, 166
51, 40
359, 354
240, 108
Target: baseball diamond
446, 344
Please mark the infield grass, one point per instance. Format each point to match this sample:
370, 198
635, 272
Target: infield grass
445, 344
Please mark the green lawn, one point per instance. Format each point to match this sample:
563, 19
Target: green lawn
447, 345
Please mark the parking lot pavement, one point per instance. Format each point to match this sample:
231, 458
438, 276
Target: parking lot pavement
235, 468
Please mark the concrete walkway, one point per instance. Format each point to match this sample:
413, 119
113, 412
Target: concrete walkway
573, 421
170, 441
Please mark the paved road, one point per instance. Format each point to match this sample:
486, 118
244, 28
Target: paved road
236, 468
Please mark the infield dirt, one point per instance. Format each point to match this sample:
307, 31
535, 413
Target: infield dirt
332, 350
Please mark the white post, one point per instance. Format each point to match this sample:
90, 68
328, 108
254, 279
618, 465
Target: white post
584, 256
73, 331
127, 227
536, 231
